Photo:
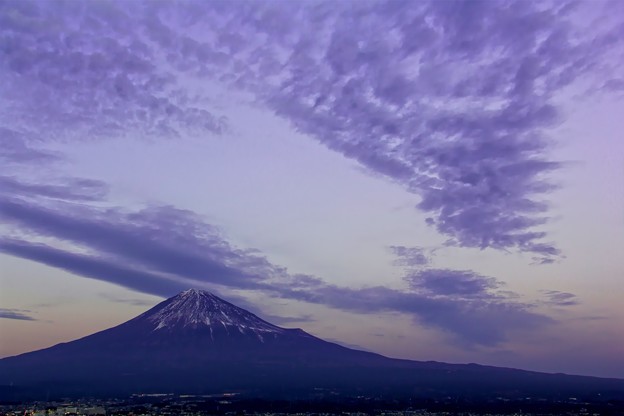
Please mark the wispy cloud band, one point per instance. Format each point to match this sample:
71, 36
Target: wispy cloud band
163, 250
17, 314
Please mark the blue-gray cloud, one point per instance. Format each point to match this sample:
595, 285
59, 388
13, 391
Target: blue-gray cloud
93, 267
449, 99
557, 298
174, 251
15, 150
411, 256
471, 320
18, 314
288, 320
72, 189
83, 71
460, 283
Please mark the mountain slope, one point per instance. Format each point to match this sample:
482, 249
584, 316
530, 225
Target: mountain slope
196, 342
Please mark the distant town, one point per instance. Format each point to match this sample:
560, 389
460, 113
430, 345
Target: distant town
231, 405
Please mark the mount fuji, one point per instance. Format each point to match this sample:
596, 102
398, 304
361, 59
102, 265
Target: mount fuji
197, 343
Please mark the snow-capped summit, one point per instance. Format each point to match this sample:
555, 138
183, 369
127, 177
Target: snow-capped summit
195, 309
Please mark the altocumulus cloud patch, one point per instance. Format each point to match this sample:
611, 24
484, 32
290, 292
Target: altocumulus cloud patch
449, 99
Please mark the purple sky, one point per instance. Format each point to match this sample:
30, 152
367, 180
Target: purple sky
428, 180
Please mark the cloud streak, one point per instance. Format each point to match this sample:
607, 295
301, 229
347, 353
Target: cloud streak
445, 282
16, 314
92, 267
557, 298
72, 189
163, 250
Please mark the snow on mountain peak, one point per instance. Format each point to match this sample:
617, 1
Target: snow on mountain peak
197, 309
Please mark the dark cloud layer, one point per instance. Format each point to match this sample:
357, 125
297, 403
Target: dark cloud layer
459, 283
93, 267
411, 256
472, 321
125, 235
449, 99
557, 298
17, 314
163, 250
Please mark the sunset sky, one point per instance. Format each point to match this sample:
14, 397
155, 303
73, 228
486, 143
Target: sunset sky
428, 180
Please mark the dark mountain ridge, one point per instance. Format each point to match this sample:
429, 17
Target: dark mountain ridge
197, 343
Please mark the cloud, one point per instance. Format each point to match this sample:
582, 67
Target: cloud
411, 256
189, 248
471, 321
15, 150
18, 314
449, 99
163, 250
445, 282
133, 302
288, 320
452, 100
75, 189
557, 298
93, 267
83, 71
